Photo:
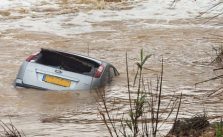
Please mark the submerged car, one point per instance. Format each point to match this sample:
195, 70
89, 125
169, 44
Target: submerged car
56, 70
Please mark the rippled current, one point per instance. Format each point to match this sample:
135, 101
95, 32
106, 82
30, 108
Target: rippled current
186, 46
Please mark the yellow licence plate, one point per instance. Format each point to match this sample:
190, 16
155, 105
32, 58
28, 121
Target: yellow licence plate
57, 81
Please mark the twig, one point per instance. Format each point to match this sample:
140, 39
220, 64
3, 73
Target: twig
105, 121
210, 9
127, 70
171, 111
159, 99
218, 77
217, 69
213, 17
178, 109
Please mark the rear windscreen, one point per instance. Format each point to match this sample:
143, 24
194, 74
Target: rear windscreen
67, 62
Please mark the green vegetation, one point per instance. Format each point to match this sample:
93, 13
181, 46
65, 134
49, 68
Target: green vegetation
219, 129
143, 118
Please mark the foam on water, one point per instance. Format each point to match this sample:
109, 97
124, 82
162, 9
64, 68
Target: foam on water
82, 20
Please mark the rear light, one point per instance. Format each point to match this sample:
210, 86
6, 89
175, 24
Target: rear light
99, 71
32, 57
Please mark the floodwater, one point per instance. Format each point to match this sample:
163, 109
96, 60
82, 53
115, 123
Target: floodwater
186, 45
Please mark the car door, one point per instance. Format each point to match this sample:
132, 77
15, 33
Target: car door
110, 73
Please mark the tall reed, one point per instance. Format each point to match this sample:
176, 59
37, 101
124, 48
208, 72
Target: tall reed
145, 108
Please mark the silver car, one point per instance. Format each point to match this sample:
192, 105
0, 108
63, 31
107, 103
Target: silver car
56, 70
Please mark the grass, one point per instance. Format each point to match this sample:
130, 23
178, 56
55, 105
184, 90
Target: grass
219, 129
144, 116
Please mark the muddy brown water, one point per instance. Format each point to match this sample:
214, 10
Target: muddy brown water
187, 55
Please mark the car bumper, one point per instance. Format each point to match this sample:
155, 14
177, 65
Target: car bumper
19, 83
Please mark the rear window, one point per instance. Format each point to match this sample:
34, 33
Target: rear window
67, 62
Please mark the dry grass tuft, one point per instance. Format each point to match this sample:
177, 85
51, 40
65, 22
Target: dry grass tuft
194, 126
